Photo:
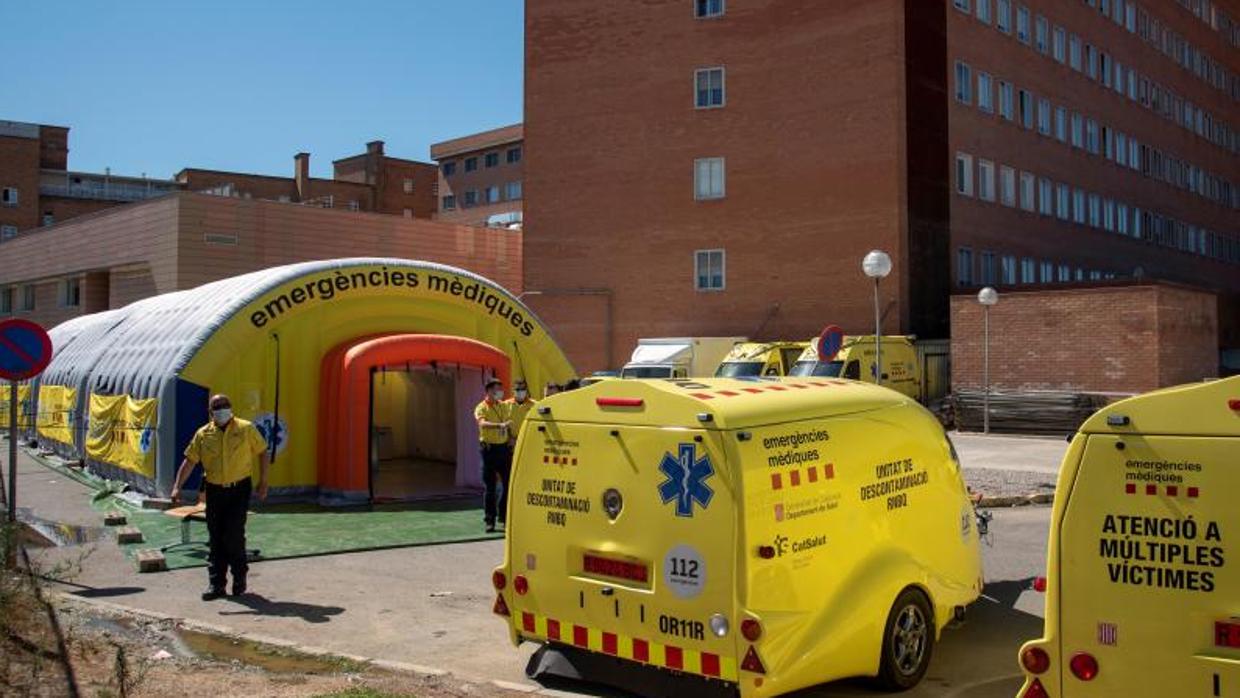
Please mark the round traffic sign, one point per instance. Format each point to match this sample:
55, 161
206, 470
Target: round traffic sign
25, 349
830, 342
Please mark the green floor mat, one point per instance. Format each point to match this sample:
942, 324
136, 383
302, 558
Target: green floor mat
284, 531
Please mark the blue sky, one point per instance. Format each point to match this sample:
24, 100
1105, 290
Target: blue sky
156, 85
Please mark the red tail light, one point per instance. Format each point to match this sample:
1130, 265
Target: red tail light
619, 402
766, 552
500, 608
1084, 666
521, 585
751, 629
752, 663
1039, 584
1035, 690
1234, 404
499, 580
1035, 660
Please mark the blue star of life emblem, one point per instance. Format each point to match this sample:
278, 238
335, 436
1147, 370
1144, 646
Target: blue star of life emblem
686, 479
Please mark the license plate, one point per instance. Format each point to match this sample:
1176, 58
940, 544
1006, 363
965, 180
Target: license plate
616, 569
1227, 634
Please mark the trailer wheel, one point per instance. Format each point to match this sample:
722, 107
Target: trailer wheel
908, 642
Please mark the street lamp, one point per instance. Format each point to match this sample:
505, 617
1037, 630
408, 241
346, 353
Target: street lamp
987, 297
876, 265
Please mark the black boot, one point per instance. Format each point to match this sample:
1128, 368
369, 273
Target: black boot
238, 585
212, 593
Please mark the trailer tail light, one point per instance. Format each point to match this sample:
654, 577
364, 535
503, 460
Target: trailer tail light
1227, 634
752, 663
1039, 584
1035, 660
500, 608
499, 580
1035, 690
1084, 666
617, 569
521, 585
751, 629
619, 402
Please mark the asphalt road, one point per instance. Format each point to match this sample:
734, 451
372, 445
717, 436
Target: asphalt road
430, 606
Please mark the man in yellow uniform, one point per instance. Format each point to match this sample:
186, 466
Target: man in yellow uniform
228, 448
494, 426
519, 405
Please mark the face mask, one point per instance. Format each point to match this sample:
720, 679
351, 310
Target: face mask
497, 395
222, 415
521, 395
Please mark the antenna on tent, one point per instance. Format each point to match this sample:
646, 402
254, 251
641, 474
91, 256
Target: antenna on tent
275, 417
520, 362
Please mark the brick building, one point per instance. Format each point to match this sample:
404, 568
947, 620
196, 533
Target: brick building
701, 167
111, 258
37, 188
1120, 337
480, 177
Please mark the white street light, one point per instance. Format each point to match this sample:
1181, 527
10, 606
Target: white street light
877, 265
987, 297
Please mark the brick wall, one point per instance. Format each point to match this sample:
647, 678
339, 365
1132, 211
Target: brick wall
19, 169
1110, 339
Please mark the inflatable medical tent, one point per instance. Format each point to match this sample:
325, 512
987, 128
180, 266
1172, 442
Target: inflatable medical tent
361, 373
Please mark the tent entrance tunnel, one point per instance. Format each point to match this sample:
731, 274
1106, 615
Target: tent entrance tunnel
403, 412
360, 373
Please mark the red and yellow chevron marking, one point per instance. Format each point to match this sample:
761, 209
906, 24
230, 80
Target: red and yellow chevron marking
636, 649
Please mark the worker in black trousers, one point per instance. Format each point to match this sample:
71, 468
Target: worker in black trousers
494, 426
228, 448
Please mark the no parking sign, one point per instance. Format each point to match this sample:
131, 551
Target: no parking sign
25, 350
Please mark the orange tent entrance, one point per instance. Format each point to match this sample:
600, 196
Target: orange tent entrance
392, 408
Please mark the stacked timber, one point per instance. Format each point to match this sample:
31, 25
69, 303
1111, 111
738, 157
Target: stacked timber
1026, 412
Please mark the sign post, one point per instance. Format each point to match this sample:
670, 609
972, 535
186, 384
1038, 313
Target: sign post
25, 350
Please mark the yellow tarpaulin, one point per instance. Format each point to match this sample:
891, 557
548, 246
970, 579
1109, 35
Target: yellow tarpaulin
23, 406
56, 406
122, 432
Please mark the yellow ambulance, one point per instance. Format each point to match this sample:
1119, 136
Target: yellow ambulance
756, 535
749, 359
1143, 569
855, 361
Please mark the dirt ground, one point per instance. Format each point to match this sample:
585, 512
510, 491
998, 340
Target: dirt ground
117, 655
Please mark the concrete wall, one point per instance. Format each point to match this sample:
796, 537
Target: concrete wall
1108, 339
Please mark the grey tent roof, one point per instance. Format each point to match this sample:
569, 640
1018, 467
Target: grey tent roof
135, 349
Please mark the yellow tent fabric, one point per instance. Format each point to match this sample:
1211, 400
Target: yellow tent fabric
122, 432
23, 395
56, 405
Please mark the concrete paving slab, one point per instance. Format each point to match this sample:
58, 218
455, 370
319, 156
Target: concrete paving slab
1040, 454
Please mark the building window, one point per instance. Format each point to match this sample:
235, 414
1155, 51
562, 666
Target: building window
492, 159
6, 301
1005, 100
1026, 109
1063, 202
1095, 211
408, 186
1007, 186
1059, 44
964, 174
1028, 183
1091, 136
1091, 61
1047, 273
70, 293
964, 267
1121, 219
708, 84
1108, 215
962, 5
512, 191
1074, 52
1007, 270
708, 179
1078, 206
1046, 199
985, 92
1003, 15
707, 8
514, 155
448, 203
449, 168
1078, 131
7, 232
708, 270
407, 213
1041, 35
986, 180
988, 268
49, 218
983, 10
1044, 117
471, 164
492, 194
27, 299
964, 83
328, 201
1065, 273
1022, 24
1028, 270
471, 198
8, 196
353, 205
